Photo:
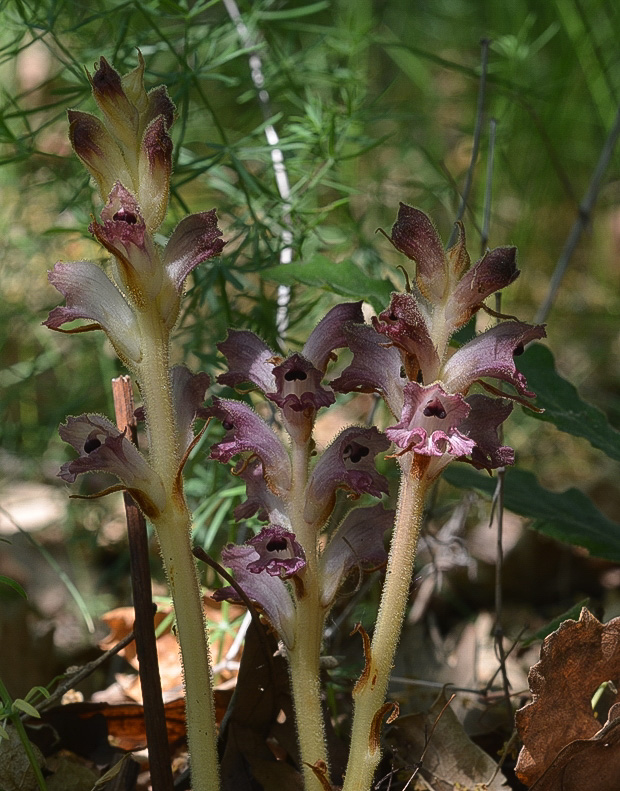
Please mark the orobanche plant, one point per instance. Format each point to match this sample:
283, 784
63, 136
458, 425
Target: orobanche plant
293, 568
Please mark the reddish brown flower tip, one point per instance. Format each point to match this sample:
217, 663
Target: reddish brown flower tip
415, 235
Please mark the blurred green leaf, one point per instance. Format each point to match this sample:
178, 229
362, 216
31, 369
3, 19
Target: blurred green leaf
562, 403
572, 614
343, 278
27, 708
568, 516
12, 584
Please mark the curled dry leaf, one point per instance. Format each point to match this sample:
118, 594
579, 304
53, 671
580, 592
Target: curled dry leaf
562, 738
449, 759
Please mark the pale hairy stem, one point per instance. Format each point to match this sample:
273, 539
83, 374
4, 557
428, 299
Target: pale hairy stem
304, 656
370, 691
173, 527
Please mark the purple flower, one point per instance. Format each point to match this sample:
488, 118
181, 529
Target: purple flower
279, 553
429, 422
195, 239
494, 271
246, 431
299, 395
407, 324
90, 294
132, 144
147, 279
415, 235
249, 360
103, 448
356, 544
260, 567
485, 417
260, 499
491, 354
376, 367
123, 233
330, 333
348, 463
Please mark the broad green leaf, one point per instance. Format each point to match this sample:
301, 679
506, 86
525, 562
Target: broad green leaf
344, 278
12, 584
568, 516
562, 403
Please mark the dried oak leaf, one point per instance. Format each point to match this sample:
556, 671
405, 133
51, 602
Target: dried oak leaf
574, 661
450, 760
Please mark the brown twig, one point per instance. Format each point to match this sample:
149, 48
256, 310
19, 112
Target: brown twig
476, 142
144, 627
73, 679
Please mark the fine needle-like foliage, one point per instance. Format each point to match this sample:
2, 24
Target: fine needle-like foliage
346, 376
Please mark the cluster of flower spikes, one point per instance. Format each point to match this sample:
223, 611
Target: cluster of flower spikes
271, 566
129, 155
405, 356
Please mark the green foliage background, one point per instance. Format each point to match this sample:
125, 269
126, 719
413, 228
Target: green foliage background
374, 103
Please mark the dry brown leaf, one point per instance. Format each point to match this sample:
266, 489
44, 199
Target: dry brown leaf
585, 762
574, 661
450, 759
120, 623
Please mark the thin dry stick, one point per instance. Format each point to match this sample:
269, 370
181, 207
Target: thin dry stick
144, 627
476, 142
73, 679
583, 218
277, 158
498, 498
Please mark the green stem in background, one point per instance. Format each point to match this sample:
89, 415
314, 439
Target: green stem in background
304, 657
174, 529
370, 691
14, 716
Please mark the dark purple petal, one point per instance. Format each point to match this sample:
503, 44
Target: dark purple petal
329, 333
195, 239
122, 116
481, 425
159, 103
154, 168
491, 354
406, 324
356, 544
495, 270
124, 234
279, 553
189, 392
271, 594
249, 360
430, 422
260, 499
299, 395
415, 235
103, 448
246, 431
98, 150
90, 294
376, 367
348, 463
